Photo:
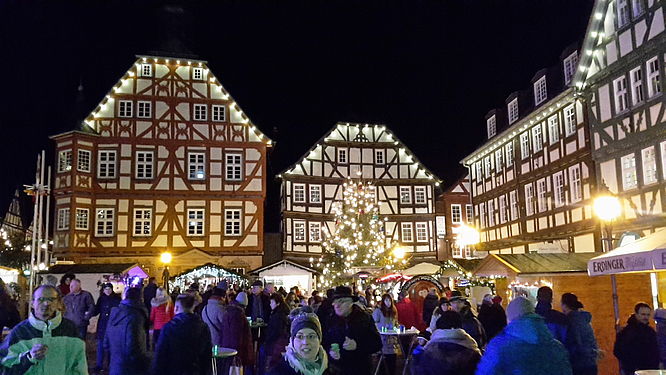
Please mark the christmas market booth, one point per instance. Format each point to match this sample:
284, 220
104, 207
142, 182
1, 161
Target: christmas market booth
567, 273
92, 275
207, 274
287, 274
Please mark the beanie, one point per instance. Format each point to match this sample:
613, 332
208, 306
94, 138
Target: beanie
306, 320
242, 298
518, 307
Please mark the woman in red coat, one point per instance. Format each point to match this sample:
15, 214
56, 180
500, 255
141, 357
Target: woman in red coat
161, 312
408, 314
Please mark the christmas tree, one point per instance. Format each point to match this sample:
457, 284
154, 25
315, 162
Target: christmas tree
358, 240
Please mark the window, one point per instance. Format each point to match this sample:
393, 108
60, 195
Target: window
542, 190
232, 222
406, 232
315, 232
637, 7
196, 165
553, 129
379, 157
513, 111
570, 64
405, 195
342, 156
219, 113
195, 222
499, 162
315, 193
299, 231
142, 221
421, 232
558, 187
234, 167
487, 165
509, 154
629, 179
144, 164
146, 70
525, 145
65, 161
81, 219
575, 184
299, 193
529, 199
419, 194
479, 171
622, 12
124, 108
200, 112
570, 120
513, 202
540, 92
104, 222
654, 86
636, 76
491, 213
63, 218
83, 160
649, 166
620, 86
502, 209
537, 138
456, 214
197, 73
482, 215
469, 213
491, 125
106, 164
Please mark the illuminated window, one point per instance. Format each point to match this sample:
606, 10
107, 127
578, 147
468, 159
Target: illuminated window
195, 222
405, 195
83, 160
65, 161
315, 232
421, 232
407, 232
456, 214
104, 222
81, 220
570, 120
315, 193
299, 231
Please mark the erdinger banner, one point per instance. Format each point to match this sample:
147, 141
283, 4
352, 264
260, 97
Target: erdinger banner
608, 265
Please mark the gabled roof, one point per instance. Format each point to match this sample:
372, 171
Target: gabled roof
363, 136
281, 262
592, 35
526, 264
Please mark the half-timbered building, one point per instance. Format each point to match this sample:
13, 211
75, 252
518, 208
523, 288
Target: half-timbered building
167, 162
405, 189
533, 180
454, 209
621, 76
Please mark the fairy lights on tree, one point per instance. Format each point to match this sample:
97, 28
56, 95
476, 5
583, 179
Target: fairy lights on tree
358, 240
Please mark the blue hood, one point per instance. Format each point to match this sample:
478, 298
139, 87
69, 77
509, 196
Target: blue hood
530, 328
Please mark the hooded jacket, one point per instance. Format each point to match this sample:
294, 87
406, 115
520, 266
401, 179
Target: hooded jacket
184, 347
449, 352
103, 307
555, 320
525, 346
236, 333
160, 314
473, 327
126, 339
580, 341
636, 347
66, 353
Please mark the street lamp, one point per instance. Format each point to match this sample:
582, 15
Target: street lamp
399, 252
467, 236
165, 258
608, 208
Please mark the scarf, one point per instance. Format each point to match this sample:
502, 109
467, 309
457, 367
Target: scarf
156, 302
303, 366
454, 336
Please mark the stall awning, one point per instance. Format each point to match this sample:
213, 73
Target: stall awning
285, 263
533, 264
645, 254
422, 269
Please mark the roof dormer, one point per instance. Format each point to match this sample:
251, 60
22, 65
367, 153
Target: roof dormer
512, 110
539, 87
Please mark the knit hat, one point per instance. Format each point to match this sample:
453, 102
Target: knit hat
572, 301
242, 298
258, 283
306, 321
518, 307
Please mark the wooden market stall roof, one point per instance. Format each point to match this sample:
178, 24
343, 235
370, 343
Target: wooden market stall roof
210, 265
282, 262
89, 268
469, 265
526, 264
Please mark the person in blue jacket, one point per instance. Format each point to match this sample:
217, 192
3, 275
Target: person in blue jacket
580, 341
525, 346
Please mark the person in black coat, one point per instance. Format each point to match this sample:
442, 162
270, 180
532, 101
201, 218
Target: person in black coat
470, 323
492, 315
636, 344
354, 331
258, 306
304, 354
430, 303
277, 332
184, 345
125, 337
105, 303
556, 321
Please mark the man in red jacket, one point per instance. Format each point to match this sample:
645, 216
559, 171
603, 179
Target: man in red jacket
408, 314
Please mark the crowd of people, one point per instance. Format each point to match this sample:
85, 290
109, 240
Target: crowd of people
335, 333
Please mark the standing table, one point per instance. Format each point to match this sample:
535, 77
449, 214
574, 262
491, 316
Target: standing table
221, 353
406, 340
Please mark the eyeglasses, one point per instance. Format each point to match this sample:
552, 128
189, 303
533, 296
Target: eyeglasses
309, 336
46, 299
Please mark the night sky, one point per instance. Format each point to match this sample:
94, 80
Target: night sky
429, 70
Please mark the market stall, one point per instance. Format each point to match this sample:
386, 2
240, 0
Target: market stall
92, 275
207, 274
287, 274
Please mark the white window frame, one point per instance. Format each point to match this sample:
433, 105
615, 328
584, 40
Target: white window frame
575, 184
487, 165
143, 222
380, 157
125, 108
491, 126
540, 91
512, 110
553, 129
65, 161
479, 171
105, 222
499, 160
513, 203
83, 160
637, 8
483, 219
570, 64
502, 209
81, 219
542, 195
197, 74
537, 138
623, 13
63, 218
649, 161
469, 213
491, 213
233, 166
509, 154
299, 231
525, 145
314, 193
196, 165
144, 109
420, 195
620, 92
146, 70
342, 156
421, 232
196, 222
653, 76
106, 163
200, 112
407, 232
636, 78
314, 232
570, 120
405, 194
456, 214
629, 178
144, 164
558, 189
219, 113
233, 222
299, 193
529, 199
